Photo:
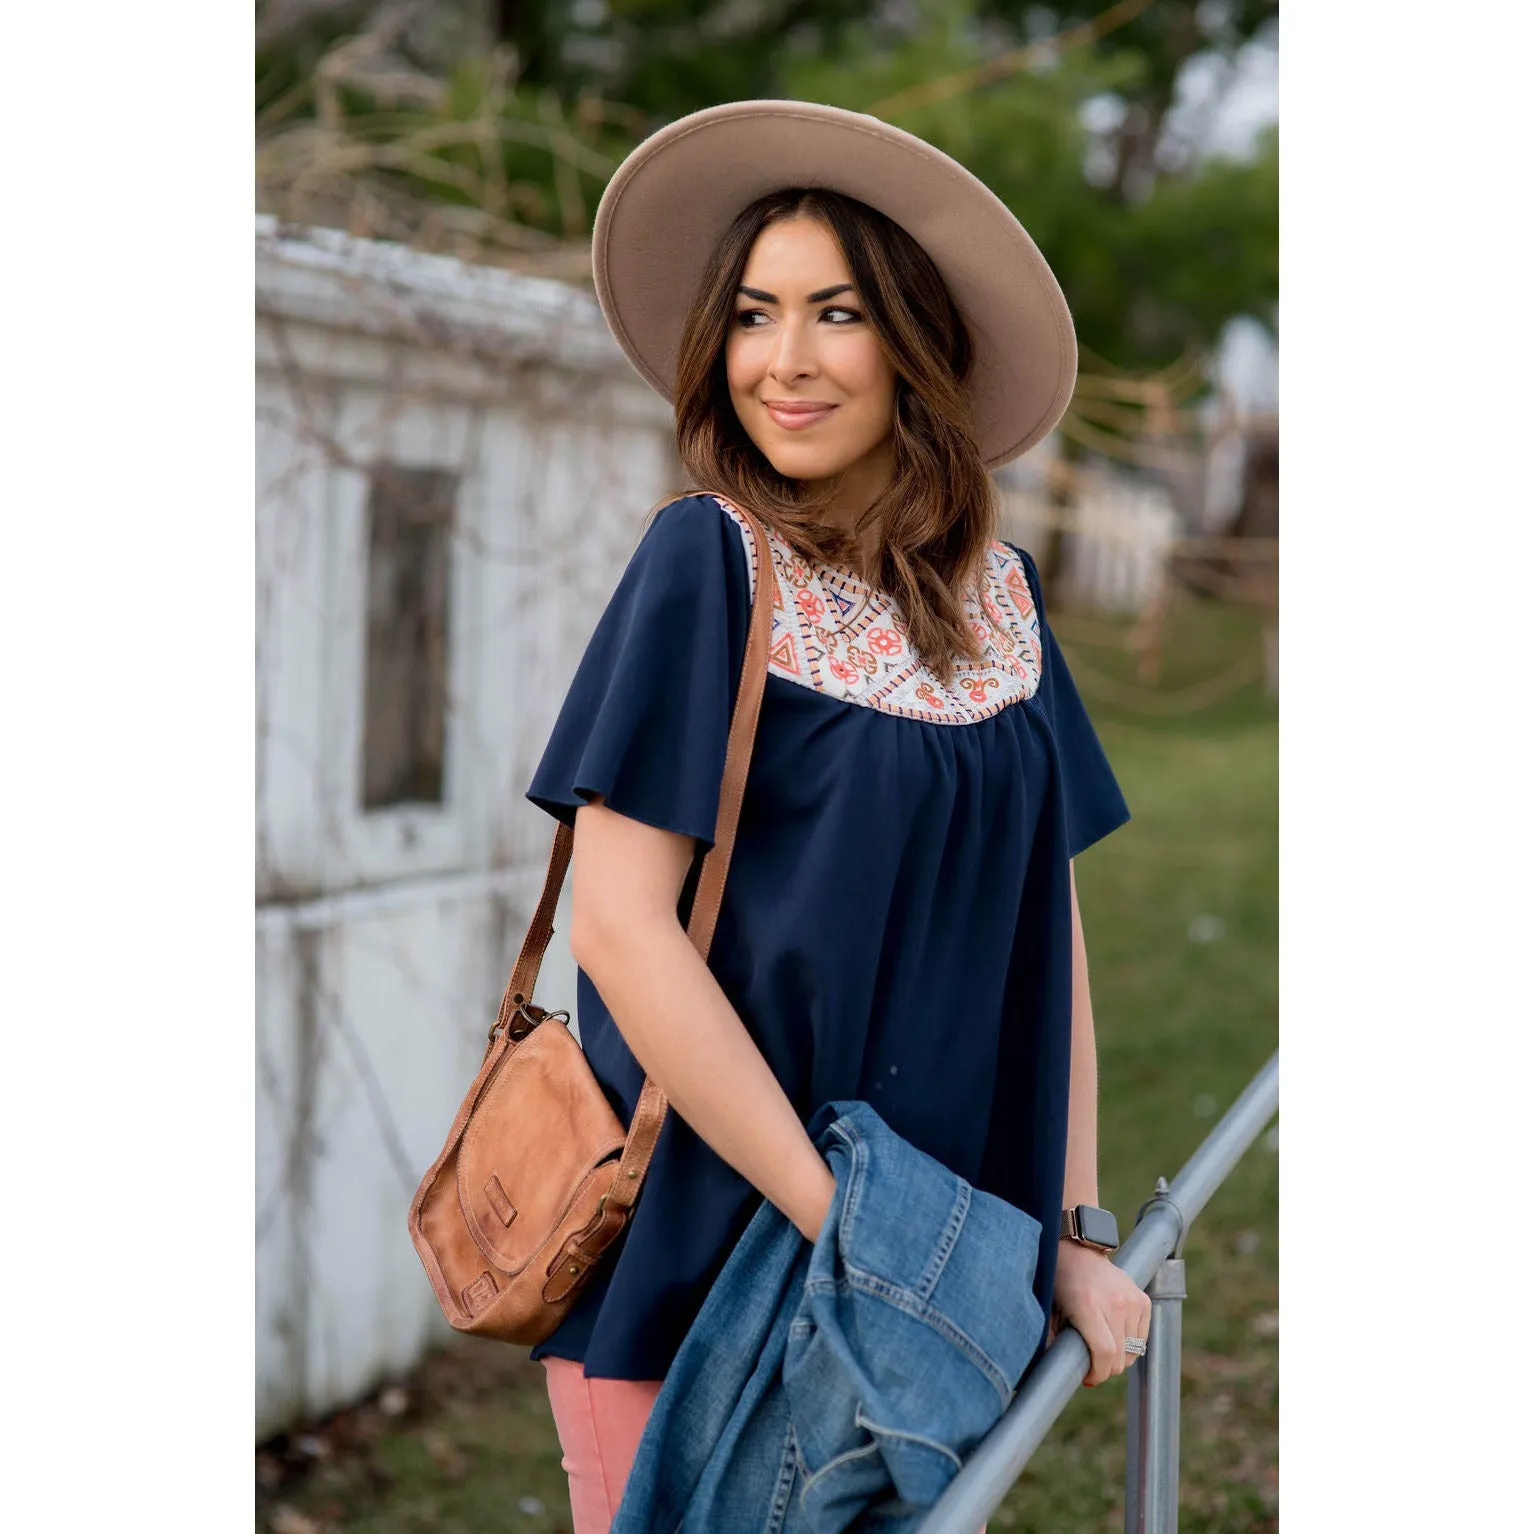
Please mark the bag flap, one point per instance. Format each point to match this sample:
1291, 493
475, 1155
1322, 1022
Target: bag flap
534, 1138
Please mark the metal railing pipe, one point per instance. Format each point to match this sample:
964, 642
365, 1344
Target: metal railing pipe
977, 1490
1153, 1426
1228, 1142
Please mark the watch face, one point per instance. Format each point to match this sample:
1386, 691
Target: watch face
1098, 1226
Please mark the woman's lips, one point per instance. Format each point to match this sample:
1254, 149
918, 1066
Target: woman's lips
796, 417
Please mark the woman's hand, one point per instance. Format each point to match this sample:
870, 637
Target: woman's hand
1104, 1304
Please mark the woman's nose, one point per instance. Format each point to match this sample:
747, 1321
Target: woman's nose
794, 356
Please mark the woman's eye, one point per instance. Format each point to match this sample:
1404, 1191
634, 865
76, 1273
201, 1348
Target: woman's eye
754, 319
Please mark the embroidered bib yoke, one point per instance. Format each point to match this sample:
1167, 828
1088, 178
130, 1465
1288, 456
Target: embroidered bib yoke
896, 924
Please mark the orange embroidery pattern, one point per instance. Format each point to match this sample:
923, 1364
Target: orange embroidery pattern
834, 633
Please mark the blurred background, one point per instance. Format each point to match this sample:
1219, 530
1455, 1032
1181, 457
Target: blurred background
453, 462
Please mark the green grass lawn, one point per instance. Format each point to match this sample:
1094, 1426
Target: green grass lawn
1181, 914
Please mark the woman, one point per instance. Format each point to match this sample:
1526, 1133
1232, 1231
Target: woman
899, 923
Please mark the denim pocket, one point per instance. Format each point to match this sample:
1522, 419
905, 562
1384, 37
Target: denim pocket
855, 1459
887, 1477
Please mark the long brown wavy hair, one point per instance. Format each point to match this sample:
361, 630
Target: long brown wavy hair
934, 522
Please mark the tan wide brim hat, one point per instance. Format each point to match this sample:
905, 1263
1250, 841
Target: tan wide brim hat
672, 199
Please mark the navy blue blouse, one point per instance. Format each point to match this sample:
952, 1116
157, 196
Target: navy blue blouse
896, 921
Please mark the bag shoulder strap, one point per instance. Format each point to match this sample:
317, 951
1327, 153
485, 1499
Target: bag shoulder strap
650, 1112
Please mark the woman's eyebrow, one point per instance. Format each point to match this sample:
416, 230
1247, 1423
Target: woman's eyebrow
817, 297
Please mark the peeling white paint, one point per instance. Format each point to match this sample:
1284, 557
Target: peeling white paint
383, 939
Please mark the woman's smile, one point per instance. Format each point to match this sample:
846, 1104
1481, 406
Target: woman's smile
795, 415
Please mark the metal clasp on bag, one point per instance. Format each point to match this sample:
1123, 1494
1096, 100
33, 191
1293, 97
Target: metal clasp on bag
602, 1202
527, 1016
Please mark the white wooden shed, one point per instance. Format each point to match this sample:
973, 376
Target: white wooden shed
452, 469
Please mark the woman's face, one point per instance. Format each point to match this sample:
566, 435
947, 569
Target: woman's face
808, 378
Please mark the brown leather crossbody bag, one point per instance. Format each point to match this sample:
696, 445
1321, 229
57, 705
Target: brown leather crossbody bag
538, 1177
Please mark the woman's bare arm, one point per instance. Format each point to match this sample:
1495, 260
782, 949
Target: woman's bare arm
1081, 1113
626, 879
1100, 1300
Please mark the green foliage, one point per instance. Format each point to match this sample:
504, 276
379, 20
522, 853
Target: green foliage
1228, 213
685, 54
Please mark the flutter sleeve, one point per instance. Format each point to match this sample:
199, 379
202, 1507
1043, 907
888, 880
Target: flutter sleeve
1094, 804
646, 719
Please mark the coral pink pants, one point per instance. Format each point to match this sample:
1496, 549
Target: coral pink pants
600, 1423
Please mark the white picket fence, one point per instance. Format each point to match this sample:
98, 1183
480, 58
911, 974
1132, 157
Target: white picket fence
1116, 538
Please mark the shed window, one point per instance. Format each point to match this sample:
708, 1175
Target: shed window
410, 525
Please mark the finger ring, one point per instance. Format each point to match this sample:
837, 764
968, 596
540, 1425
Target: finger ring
1135, 1345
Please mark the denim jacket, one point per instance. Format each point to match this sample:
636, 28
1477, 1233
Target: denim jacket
846, 1380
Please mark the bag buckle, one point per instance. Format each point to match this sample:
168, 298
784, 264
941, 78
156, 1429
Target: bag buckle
523, 1020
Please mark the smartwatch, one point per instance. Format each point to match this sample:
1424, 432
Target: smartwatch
1090, 1226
